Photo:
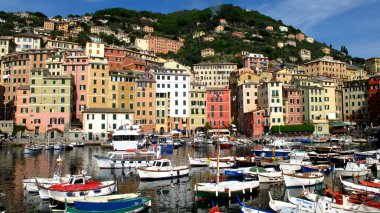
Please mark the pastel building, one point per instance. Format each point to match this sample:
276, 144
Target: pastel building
100, 123
197, 107
98, 83
374, 99
218, 108
95, 49
270, 96
121, 92
76, 64
115, 56
61, 44
256, 122
292, 98
356, 106
7, 45
372, 65
247, 101
326, 66
163, 45
145, 112
27, 41
256, 62
214, 74
49, 103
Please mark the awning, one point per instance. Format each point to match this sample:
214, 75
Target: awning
339, 124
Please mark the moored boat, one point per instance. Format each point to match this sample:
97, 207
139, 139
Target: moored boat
105, 198
123, 205
352, 169
293, 179
358, 187
162, 169
131, 159
277, 149
77, 186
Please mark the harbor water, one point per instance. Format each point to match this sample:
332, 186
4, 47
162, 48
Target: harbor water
176, 195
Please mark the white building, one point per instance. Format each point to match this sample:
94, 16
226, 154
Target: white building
283, 28
99, 122
27, 41
175, 83
95, 49
270, 96
142, 44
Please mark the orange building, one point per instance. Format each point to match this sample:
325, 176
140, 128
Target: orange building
163, 45
145, 112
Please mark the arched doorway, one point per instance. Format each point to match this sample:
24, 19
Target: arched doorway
162, 130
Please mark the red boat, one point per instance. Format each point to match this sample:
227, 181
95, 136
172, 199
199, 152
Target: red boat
371, 200
369, 183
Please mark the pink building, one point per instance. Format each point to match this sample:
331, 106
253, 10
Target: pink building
292, 98
255, 121
256, 62
76, 63
45, 104
218, 107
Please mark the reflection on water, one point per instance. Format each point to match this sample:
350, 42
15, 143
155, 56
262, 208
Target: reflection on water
175, 195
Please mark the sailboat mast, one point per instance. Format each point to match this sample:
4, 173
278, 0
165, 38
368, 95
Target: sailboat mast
217, 158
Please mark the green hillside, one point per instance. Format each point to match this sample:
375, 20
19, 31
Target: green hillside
185, 23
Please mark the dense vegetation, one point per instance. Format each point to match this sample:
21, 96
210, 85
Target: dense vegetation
185, 23
303, 128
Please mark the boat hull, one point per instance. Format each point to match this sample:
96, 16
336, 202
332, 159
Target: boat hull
270, 177
138, 203
224, 189
147, 174
349, 173
107, 163
299, 181
107, 188
271, 154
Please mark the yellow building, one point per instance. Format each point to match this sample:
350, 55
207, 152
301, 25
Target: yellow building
372, 65
197, 107
326, 66
214, 74
98, 86
162, 112
121, 90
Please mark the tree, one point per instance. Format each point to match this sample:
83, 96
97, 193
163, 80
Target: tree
207, 127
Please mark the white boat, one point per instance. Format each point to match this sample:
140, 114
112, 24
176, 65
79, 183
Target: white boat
77, 186
127, 137
299, 155
293, 165
132, 159
30, 184
249, 209
270, 177
162, 169
32, 149
211, 162
276, 149
359, 140
352, 170
358, 187
293, 179
285, 207
104, 198
326, 204
224, 189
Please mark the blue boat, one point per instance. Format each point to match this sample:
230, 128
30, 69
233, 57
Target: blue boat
318, 168
235, 173
134, 204
364, 155
249, 209
278, 149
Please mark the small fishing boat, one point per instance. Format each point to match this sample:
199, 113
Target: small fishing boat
224, 189
359, 140
249, 209
369, 183
77, 144
358, 187
124, 205
293, 165
293, 179
364, 155
270, 177
224, 142
285, 207
105, 198
32, 149
372, 139
352, 169
321, 158
341, 161
327, 149
325, 168
236, 173
299, 155
277, 148
162, 169
77, 186
223, 163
